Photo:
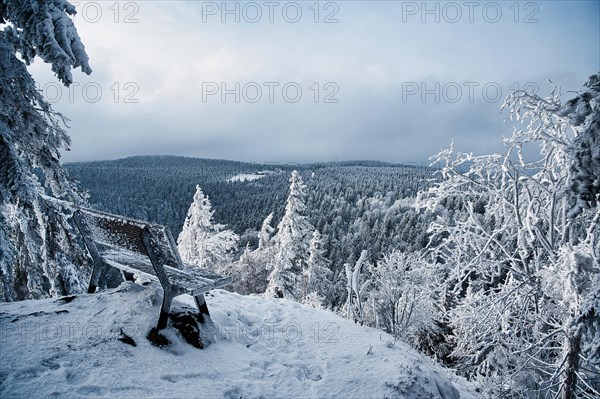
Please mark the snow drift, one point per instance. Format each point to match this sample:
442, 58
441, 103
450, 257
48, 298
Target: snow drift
96, 346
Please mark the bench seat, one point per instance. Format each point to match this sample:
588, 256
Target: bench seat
192, 280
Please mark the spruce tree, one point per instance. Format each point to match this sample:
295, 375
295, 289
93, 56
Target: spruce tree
317, 282
291, 243
203, 243
39, 255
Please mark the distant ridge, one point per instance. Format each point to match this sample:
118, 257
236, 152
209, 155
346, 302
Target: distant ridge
139, 160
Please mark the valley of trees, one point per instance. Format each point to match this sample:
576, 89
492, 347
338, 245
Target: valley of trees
345, 202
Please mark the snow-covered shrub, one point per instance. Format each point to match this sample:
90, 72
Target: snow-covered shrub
401, 289
520, 260
356, 288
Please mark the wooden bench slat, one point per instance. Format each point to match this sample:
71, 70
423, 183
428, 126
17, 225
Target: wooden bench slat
200, 284
128, 261
201, 281
130, 269
168, 247
116, 231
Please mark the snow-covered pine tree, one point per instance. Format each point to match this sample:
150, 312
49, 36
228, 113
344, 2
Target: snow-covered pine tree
243, 272
583, 112
291, 243
39, 255
266, 233
263, 256
252, 269
316, 279
203, 243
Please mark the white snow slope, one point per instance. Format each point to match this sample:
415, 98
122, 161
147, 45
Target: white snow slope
244, 177
265, 347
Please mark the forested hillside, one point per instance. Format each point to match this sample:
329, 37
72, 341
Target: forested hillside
160, 188
355, 205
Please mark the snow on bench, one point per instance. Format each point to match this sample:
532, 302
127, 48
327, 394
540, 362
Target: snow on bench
144, 249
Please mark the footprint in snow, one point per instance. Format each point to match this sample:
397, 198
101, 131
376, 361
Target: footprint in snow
27, 373
233, 393
91, 390
51, 363
174, 378
74, 377
312, 373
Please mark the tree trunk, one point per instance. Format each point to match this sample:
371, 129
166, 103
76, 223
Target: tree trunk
573, 348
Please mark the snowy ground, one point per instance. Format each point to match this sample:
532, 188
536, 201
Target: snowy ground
265, 348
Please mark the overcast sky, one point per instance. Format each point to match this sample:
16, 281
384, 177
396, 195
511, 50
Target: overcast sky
301, 82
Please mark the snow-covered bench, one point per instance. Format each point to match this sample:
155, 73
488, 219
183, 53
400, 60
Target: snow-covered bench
146, 250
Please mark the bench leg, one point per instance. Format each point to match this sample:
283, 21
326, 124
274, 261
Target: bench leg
87, 235
95, 276
208, 327
164, 310
202, 307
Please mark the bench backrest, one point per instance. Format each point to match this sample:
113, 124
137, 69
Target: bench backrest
118, 232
